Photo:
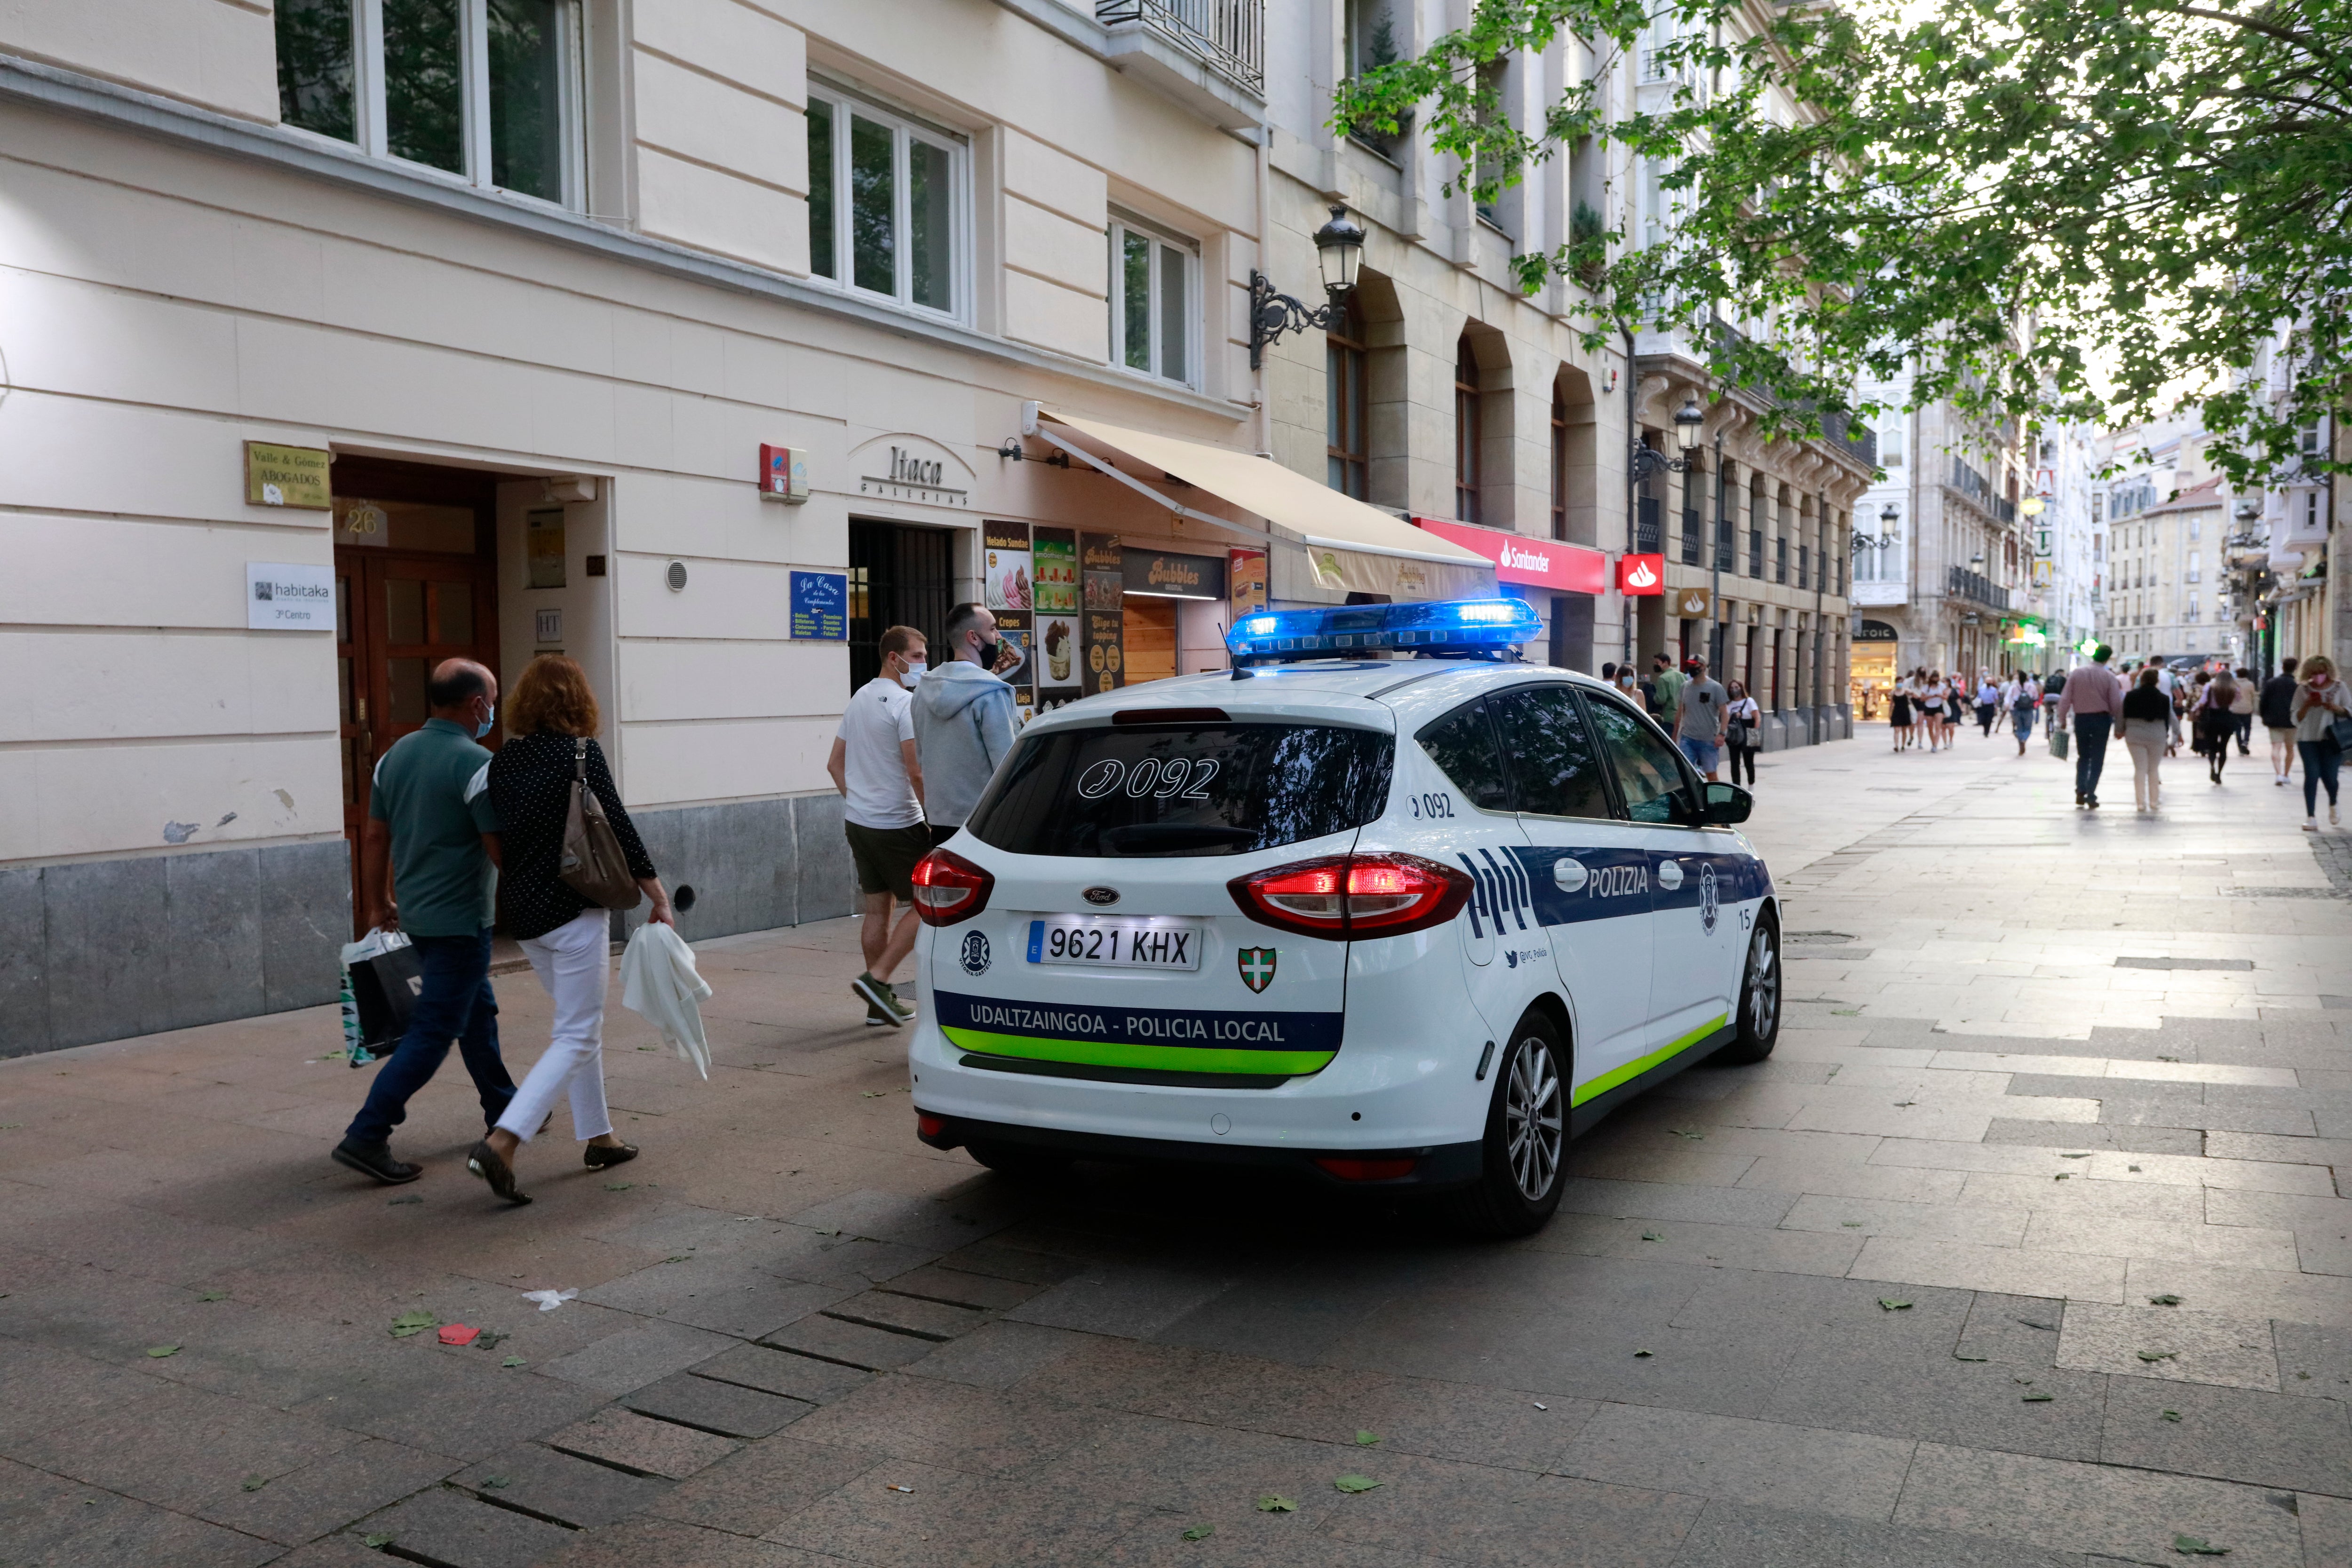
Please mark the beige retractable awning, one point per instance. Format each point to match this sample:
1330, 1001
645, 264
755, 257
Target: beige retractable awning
1335, 530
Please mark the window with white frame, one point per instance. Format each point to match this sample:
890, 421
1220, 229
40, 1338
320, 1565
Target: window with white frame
1890, 443
488, 91
889, 203
1155, 293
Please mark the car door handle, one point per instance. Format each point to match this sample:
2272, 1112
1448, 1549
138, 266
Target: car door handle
1569, 875
1670, 874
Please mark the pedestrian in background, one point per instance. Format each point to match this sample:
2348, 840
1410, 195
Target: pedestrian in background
1898, 712
2319, 700
1988, 702
552, 724
2215, 720
431, 824
1932, 700
2022, 697
1743, 731
2095, 699
2277, 708
1666, 685
2242, 708
876, 766
1699, 722
2147, 720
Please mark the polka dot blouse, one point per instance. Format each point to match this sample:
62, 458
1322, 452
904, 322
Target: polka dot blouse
530, 789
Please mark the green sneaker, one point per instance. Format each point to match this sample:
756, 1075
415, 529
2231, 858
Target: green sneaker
879, 997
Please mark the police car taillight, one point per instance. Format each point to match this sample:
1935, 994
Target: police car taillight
948, 888
1347, 896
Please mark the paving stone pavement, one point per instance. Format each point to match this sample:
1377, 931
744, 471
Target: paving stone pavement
1905, 1294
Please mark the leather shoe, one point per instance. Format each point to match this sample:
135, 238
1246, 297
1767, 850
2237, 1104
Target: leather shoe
483, 1161
599, 1155
375, 1160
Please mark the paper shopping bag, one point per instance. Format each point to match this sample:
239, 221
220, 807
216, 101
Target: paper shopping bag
381, 980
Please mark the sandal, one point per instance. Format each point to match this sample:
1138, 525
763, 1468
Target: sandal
599, 1155
483, 1161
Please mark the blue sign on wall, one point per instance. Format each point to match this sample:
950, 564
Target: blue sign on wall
821, 605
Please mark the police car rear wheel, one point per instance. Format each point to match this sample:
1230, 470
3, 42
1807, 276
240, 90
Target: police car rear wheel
1760, 999
1518, 1184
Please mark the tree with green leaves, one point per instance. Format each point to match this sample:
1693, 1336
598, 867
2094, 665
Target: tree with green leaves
2093, 209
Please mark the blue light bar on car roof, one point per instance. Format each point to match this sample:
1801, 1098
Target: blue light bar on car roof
1455, 628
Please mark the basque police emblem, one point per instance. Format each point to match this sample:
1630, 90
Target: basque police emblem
975, 953
1257, 967
1708, 903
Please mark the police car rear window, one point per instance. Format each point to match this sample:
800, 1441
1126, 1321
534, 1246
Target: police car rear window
1152, 790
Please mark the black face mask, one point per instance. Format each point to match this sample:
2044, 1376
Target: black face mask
990, 652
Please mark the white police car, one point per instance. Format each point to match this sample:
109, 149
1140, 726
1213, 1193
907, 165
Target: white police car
1398, 922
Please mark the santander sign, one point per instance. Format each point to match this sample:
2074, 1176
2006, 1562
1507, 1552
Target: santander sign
1536, 562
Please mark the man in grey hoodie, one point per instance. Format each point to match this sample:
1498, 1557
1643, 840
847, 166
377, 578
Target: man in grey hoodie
963, 718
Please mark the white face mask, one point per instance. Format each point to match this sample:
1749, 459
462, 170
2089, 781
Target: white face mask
914, 673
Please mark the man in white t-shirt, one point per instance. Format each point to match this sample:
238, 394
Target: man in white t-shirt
873, 765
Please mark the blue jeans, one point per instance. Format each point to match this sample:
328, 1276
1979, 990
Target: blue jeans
2321, 759
456, 1003
1705, 755
2091, 731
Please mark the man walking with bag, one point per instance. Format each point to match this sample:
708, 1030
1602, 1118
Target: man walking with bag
430, 825
874, 767
2095, 699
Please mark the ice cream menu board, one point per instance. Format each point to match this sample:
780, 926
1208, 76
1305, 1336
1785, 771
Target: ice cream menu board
1005, 566
1054, 570
1099, 565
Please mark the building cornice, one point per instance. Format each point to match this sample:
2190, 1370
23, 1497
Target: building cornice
38, 86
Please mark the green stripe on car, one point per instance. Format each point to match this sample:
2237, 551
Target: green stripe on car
1162, 1059
1634, 1070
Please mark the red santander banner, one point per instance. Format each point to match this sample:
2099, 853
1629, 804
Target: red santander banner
1535, 563
1641, 575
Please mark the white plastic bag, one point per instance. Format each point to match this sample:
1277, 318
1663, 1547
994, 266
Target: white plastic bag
658, 983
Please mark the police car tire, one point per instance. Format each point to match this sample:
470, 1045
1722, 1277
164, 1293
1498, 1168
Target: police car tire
1753, 1044
1018, 1160
1494, 1204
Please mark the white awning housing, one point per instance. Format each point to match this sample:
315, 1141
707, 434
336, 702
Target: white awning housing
1345, 545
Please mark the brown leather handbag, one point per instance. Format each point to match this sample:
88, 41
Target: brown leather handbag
592, 863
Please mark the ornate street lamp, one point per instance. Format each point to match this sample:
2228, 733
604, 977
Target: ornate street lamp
1338, 247
1688, 421
1888, 516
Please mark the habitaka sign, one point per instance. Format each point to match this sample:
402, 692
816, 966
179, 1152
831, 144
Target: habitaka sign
1533, 563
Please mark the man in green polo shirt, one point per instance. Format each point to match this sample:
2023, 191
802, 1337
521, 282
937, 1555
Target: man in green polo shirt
430, 824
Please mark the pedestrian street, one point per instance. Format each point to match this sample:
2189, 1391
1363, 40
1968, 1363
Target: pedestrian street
2025, 1247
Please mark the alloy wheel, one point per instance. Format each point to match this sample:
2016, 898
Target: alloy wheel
1763, 983
1532, 1124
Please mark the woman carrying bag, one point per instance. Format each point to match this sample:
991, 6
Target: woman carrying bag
2147, 720
1743, 731
2215, 718
2323, 716
557, 881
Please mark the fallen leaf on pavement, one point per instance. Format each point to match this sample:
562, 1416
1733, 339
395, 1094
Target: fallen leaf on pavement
2197, 1546
2158, 1356
1639, 1354
2131, 1167
618, 1186
1851, 1224
253, 1483
1355, 1483
160, 1351
2060, 1176
2168, 1416
2167, 1300
411, 1323
1905, 1104
490, 1340
375, 1540
1366, 1439
514, 1361
2036, 1398
1200, 1532
213, 1296
1652, 1235
1957, 1356
1272, 1504
494, 1482
1693, 1137
2074, 1156
1888, 1304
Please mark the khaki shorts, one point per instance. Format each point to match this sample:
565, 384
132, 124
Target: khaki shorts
885, 858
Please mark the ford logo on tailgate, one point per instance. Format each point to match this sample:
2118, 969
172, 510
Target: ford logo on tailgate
1100, 896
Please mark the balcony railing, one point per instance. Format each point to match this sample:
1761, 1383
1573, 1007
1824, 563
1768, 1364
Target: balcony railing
1227, 35
1959, 583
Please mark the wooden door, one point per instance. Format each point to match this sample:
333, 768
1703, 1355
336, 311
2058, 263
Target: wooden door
397, 616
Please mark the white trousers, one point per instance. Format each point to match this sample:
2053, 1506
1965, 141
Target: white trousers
574, 966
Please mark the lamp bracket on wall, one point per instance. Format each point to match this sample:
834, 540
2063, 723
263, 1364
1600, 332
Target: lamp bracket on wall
1012, 448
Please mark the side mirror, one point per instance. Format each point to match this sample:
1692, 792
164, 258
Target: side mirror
1727, 805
